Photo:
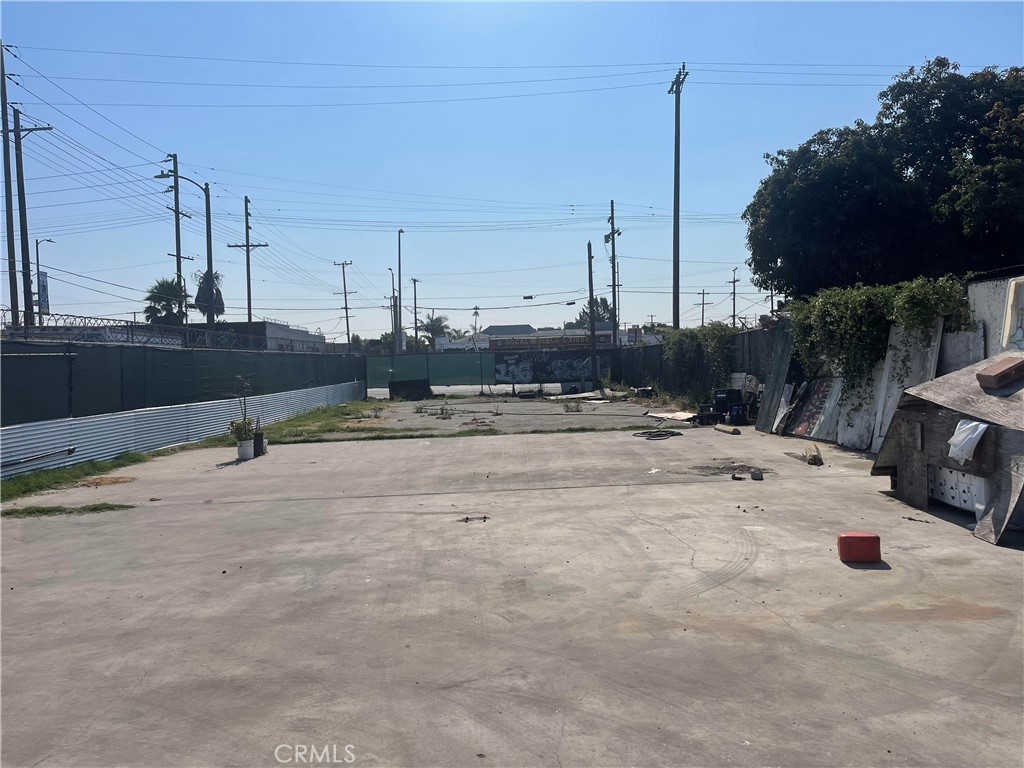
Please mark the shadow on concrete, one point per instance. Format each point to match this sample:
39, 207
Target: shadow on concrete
881, 566
1012, 539
234, 463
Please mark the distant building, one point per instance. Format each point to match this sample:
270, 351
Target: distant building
275, 336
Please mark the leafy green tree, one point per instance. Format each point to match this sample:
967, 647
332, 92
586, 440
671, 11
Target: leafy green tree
602, 314
356, 343
208, 293
699, 359
910, 194
988, 183
163, 299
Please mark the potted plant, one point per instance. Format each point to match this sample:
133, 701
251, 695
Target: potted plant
244, 431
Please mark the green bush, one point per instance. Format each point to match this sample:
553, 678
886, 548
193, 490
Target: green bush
848, 328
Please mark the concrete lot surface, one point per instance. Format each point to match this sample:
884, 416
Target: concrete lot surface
625, 603
512, 415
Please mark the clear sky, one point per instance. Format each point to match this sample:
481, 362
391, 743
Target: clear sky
344, 122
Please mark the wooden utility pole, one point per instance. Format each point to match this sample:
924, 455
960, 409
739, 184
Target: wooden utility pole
734, 281
610, 237
702, 304
248, 276
676, 89
12, 260
344, 290
593, 336
26, 256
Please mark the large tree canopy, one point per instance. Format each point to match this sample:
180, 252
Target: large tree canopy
933, 186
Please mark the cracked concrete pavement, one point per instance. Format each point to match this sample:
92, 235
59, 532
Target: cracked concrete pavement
604, 614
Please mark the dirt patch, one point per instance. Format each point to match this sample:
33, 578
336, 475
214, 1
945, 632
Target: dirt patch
727, 468
96, 482
369, 422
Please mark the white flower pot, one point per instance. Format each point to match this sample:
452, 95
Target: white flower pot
244, 450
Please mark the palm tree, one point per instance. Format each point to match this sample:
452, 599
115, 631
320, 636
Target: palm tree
208, 294
434, 326
454, 334
164, 298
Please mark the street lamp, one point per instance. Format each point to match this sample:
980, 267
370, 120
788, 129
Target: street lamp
394, 314
39, 288
398, 306
209, 241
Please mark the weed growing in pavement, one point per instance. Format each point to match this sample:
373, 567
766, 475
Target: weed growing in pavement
61, 510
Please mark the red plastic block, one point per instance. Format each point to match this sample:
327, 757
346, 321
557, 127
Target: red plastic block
859, 547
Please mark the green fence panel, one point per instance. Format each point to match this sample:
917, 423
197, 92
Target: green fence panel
378, 371
454, 368
133, 378
170, 377
96, 380
409, 367
34, 388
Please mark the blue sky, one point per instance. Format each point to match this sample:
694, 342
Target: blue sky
497, 197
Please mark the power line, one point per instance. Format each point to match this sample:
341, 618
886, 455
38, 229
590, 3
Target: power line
341, 64
82, 103
493, 97
351, 86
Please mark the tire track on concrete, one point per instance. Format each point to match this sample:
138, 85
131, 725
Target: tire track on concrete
744, 556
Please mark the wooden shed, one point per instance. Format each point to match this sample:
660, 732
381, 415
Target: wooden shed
915, 452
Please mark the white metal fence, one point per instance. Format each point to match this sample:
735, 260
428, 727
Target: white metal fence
147, 429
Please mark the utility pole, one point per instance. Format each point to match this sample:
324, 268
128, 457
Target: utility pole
26, 258
652, 323
398, 300
12, 261
344, 289
734, 281
178, 214
610, 237
394, 312
702, 304
415, 317
593, 336
248, 275
676, 89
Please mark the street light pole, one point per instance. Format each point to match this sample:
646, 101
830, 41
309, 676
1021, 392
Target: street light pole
398, 307
38, 241
415, 318
39, 289
209, 242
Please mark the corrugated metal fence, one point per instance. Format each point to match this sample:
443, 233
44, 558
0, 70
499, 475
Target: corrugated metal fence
147, 429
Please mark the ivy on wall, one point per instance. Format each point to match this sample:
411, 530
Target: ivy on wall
848, 328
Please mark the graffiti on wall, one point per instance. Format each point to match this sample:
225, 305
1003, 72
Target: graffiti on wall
545, 367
